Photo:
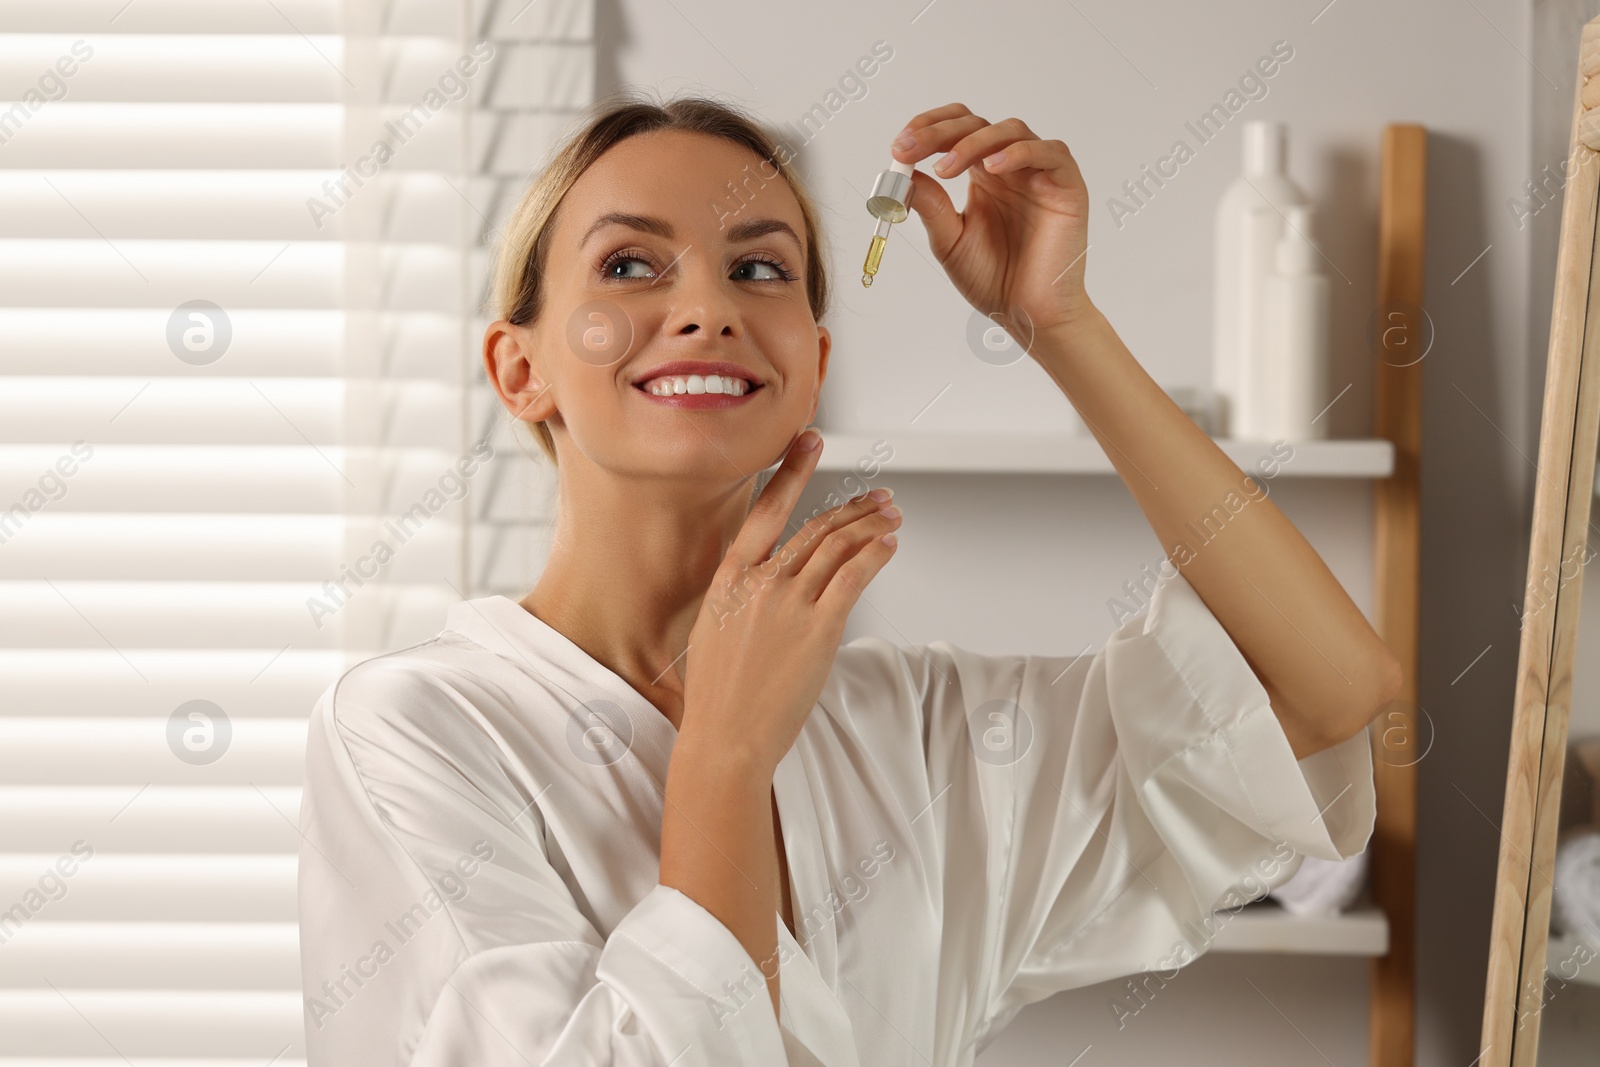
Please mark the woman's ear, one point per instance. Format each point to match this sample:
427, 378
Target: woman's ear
509, 359
824, 345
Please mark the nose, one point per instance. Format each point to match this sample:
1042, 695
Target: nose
702, 303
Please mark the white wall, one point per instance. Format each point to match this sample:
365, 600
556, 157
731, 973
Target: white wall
1026, 563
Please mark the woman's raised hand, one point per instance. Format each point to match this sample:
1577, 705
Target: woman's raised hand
764, 640
1018, 246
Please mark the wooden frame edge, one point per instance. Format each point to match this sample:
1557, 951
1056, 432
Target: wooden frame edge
1563, 491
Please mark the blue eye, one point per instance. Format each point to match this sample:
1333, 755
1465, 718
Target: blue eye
779, 274
612, 263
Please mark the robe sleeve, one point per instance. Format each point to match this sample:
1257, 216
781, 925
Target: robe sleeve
1098, 809
435, 930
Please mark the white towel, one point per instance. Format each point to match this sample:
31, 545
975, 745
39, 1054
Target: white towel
1575, 903
1323, 887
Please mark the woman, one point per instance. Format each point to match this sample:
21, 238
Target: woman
655, 813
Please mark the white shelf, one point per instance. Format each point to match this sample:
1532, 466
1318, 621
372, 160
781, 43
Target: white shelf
1070, 453
1266, 927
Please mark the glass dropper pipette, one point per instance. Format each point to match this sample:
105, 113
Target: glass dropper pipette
889, 203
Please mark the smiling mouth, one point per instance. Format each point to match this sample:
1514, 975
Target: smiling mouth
670, 385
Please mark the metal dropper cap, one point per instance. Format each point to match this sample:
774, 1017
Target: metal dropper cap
891, 193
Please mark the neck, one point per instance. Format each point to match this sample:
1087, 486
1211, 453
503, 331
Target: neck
629, 566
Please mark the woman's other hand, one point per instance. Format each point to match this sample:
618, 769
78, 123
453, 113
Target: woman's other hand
1018, 247
765, 637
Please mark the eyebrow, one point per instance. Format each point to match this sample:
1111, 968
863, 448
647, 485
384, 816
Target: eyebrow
744, 230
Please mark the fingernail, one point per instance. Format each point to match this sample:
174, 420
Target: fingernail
904, 141
946, 161
881, 494
809, 440
890, 512
995, 160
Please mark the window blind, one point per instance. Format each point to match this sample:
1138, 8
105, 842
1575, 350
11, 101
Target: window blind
245, 443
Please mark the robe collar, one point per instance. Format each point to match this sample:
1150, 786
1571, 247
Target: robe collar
810, 1008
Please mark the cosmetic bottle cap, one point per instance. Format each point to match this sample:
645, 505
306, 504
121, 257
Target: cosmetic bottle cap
891, 193
1266, 147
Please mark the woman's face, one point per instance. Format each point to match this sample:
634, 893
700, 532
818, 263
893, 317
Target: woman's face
690, 273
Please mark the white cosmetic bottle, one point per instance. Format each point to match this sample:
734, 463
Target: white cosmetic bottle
1249, 221
1295, 365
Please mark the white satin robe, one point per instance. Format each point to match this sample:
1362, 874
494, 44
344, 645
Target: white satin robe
481, 824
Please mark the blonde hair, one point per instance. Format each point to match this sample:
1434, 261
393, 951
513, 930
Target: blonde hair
518, 292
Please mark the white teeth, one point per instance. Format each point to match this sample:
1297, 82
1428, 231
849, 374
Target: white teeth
670, 384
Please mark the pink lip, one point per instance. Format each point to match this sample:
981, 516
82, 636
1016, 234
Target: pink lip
699, 400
